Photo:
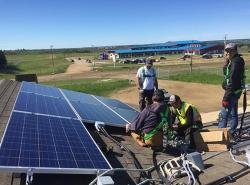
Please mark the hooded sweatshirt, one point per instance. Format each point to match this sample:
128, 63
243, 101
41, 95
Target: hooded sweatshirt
236, 76
148, 118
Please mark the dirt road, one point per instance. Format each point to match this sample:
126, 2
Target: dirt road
206, 97
78, 65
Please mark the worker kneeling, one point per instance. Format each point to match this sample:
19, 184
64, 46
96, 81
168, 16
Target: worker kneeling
189, 120
147, 128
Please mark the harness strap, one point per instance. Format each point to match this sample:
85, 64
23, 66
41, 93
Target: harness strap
164, 116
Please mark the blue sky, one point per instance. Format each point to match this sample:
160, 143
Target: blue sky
34, 24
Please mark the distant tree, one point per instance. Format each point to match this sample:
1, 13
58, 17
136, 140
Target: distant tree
3, 60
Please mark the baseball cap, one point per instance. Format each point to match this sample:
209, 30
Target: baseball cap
231, 46
149, 61
174, 98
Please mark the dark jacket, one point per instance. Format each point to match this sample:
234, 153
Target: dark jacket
236, 76
148, 118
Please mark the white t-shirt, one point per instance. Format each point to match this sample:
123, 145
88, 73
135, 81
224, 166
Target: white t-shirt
148, 83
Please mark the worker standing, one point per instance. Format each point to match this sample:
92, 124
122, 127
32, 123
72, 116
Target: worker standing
189, 120
146, 83
147, 128
233, 84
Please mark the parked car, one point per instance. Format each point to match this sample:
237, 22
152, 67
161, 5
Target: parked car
217, 55
136, 61
126, 61
185, 57
207, 56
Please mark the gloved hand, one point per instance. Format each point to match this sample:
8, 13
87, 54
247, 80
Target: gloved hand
141, 91
225, 104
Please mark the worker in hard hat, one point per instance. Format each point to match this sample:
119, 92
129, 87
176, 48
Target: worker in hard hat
188, 120
147, 128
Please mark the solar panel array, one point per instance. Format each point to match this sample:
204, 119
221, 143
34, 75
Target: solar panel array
96, 108
45, 141
45, 130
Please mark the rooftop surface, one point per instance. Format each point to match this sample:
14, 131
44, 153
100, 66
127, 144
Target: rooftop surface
217, 164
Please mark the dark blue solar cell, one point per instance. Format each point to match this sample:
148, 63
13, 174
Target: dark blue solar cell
41, 89
49, 163
80, 97
114, 103
29, 162
49, 142
34, 103
10, 161
129, 115
67, 163
91, 112
88, 164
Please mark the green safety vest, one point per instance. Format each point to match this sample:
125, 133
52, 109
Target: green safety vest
239, 91
181, 114
164, 121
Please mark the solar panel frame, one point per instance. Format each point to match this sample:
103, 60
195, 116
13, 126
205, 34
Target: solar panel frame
19, 169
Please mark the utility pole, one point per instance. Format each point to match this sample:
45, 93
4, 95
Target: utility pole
52, 58
225, 40
191, 61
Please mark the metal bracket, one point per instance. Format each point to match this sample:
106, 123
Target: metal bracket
29, 177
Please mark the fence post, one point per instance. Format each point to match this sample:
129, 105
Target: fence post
129, 76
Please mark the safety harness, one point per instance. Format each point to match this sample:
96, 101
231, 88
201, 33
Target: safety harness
144, 75
164, 121
237, 92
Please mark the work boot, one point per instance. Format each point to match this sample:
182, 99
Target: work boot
233, 137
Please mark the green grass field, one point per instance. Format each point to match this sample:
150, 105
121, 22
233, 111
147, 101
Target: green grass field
101, 87
39, 63
205, 76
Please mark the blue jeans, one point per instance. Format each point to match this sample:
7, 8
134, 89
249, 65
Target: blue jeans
225, 112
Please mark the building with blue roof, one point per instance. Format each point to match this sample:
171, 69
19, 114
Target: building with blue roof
194, 47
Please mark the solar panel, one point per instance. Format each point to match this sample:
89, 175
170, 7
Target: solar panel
113, 103
40, 89
128, 114
30, 102
45, 132
80, 97
37, 141
92, 113
96, 108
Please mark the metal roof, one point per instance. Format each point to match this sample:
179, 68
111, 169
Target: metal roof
168, 44
122, 51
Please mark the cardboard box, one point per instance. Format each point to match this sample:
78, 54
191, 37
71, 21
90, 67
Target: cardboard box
212, 140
